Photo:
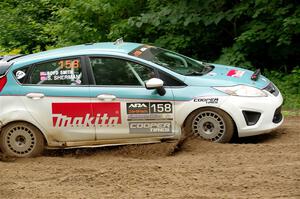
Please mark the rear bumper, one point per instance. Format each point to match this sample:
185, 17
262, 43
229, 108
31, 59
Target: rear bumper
268, 109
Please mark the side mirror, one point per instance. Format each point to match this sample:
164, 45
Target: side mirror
158, 84
154, 83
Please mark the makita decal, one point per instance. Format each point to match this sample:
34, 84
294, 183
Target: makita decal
86, 114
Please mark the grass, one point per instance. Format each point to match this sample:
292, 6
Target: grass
288, 113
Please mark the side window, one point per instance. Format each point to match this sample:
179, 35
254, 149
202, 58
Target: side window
61, 72
145, 73
112, 71
169, 80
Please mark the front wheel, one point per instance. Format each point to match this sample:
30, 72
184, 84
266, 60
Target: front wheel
21, 139
211, 124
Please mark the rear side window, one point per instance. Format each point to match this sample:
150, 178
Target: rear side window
59, 72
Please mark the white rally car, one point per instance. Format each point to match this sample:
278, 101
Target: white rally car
127, 93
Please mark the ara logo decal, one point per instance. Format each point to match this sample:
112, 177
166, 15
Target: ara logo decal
138, 105
235, 73
86, 114
138, 108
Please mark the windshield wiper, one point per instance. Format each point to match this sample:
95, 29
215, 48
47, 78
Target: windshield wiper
195, 73
207, 68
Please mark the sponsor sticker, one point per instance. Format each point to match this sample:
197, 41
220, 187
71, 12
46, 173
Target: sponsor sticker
149, 107
207, 100
79, 115
20, 74
143, 49
150, 117
137, 53
149, 110
44, 76
235, 73
137, 108
150, 127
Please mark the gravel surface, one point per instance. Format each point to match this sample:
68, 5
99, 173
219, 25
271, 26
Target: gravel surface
265, 166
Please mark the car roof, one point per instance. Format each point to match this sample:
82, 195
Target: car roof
123, 48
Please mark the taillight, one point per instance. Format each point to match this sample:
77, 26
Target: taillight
3, 81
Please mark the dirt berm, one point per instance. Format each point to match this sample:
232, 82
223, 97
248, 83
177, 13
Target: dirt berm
265, 166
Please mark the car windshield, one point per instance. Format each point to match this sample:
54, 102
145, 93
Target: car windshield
171, 60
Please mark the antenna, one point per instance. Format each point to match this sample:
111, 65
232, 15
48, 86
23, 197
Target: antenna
119, 41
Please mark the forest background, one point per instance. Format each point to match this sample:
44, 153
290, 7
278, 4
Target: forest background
246, 33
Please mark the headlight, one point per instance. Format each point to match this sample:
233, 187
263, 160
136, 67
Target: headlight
241, 90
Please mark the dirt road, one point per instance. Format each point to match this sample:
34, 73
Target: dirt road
266, 166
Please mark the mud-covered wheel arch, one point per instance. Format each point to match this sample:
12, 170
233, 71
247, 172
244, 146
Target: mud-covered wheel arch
210, 123
21, 139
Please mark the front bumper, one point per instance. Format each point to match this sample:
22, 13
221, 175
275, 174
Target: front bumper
269, 109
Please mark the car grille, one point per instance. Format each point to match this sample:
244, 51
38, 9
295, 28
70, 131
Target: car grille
271, 88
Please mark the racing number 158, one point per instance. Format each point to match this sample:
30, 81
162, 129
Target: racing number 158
69, 64
161, 107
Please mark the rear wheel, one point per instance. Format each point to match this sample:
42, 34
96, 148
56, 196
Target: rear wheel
211, 124
21, 139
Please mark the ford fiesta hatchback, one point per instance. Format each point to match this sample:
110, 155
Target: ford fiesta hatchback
127, 93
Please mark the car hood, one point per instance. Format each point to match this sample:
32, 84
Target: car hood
223, 75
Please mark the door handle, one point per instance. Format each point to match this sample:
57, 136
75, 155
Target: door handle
106, 97
35, 96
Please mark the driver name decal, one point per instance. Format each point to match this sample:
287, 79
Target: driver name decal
78, 115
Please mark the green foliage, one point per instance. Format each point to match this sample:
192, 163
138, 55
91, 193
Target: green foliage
91, 20
252, 34
234, 56
38, 25
22, 24
288, 84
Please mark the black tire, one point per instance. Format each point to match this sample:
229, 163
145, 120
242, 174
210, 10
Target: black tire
21, 139
211, 124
